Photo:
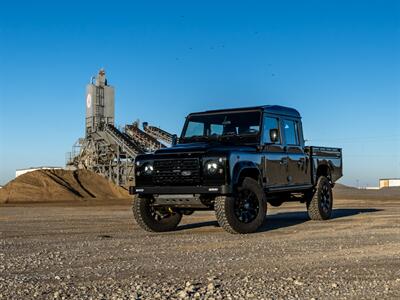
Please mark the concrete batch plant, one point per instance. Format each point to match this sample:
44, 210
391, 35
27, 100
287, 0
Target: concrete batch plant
106, 149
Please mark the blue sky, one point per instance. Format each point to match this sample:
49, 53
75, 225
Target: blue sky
337, 62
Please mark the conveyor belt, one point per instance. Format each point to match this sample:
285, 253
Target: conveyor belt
145, 140
157, 133
130, 147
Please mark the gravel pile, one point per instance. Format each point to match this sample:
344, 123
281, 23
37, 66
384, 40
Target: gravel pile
59, 186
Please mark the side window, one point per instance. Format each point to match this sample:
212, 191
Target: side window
291, 132
270, 123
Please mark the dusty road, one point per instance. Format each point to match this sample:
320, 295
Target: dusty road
97, 252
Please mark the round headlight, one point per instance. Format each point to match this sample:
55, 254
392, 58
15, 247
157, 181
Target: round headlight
212, 167
148, 169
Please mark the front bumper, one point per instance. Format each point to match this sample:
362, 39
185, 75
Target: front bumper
180, 190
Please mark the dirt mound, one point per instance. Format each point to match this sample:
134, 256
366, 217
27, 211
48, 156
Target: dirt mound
346, 192
63, 185
59, 185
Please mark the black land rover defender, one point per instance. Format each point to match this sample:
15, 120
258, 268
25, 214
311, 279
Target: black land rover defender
235, 161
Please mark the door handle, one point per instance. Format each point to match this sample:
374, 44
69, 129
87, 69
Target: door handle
301, 162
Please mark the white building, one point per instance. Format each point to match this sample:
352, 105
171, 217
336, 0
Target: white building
389, 182
19, 172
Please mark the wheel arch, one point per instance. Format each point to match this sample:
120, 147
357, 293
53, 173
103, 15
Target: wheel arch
245, 169
323, 169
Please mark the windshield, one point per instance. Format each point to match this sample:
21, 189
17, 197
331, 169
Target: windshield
225, 126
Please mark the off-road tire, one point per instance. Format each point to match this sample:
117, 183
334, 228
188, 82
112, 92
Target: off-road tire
142, 213
225, 210
317, 207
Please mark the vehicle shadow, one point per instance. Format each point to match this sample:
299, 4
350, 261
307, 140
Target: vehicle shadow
287, 219
198, 225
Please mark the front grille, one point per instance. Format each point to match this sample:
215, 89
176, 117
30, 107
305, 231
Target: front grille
183, 171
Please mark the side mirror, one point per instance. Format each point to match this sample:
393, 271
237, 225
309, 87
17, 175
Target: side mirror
274, 135
174, 140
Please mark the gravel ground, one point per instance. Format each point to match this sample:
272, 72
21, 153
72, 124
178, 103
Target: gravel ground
83, 251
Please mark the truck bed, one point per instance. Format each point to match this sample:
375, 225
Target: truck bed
326, 156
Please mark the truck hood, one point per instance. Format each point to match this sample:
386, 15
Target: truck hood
202, 148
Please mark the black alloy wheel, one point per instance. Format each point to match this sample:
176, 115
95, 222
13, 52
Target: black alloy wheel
243, 212
326, 199
152, 218
320, 201
246, 206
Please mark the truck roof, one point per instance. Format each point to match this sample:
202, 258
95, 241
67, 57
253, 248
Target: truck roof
273, 109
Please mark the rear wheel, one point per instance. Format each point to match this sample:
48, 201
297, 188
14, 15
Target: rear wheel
319, 203
245, 211
152, 218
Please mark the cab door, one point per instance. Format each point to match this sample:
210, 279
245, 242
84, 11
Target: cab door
275, 156
297, 159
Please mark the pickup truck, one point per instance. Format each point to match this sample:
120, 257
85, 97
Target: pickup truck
235, 161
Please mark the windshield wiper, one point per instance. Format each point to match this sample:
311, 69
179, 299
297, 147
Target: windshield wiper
230, 136
196, 138
236, 138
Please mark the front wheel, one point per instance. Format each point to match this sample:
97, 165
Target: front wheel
154, 219
319, 203
245, 211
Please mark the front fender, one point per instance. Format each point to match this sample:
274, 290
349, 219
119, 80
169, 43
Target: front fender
242, 167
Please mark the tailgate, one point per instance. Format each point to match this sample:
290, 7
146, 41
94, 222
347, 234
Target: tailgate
325, 151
